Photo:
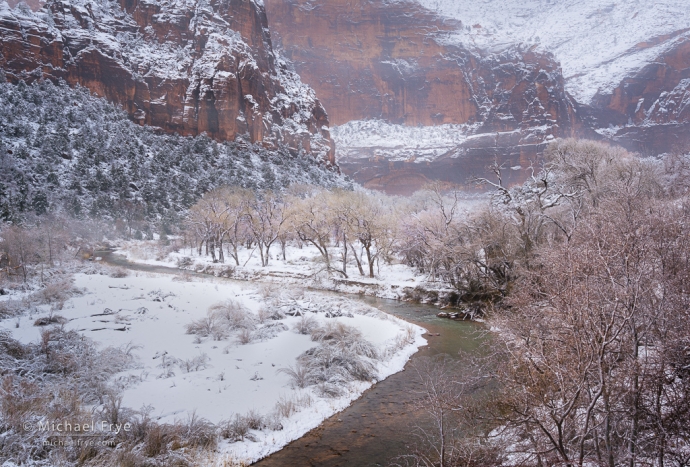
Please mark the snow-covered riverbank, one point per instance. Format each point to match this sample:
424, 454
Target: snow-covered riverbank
302, 267
226, 374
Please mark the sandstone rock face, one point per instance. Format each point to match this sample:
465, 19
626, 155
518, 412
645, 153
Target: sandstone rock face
398, 63
649, 111
185, 67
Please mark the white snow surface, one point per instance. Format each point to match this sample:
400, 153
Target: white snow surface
360, 139
302, 267
598, 42
154, 309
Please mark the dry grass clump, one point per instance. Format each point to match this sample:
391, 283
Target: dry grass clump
234, 315
50, 319
300, 375
286, 407
56, 293
119, 273
401, 341
10, 348
223, 318
268, 331
11, 308
204, 326
306, 325
236, 429
55, 379
239, 427
183, 276
198, 433
244, 337
267, 313
342, 356
200, 362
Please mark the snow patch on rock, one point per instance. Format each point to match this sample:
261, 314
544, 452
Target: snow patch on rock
598, 43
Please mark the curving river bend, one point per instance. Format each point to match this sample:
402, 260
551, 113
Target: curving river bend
377, 426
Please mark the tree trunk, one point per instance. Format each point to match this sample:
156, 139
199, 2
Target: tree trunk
344, 254
357, 260
367, 248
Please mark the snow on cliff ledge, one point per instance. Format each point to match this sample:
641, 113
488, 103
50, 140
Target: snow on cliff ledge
598, 42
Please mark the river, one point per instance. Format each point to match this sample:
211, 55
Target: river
377, 426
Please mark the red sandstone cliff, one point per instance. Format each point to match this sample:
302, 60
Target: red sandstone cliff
650, 110
398, 62
183, 67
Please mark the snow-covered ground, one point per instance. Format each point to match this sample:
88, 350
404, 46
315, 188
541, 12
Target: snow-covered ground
366, 138
598, 42
302, 267
180, 373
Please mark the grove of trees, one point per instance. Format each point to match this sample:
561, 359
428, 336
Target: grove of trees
65, 151
588, 364
340, 224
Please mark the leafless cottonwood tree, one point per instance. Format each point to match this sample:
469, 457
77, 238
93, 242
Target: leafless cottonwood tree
267, 220
591, 354
588, 370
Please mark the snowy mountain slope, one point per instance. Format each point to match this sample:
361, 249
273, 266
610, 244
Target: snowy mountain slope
598, 42
65, 150
186, 67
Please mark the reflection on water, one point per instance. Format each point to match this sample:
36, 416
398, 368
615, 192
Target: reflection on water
377, 426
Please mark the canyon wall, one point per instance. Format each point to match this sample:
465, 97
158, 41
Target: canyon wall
399, 63
181, 66
649, 111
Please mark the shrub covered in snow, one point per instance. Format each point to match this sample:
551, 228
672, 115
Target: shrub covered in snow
223, 318
64, 150
342, 356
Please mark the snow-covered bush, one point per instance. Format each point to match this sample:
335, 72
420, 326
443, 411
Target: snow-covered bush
239, 427
268, 331
204, 326
198, 433
54, 293
65, 150
343, 337
50, 319
233, 315
342, 356
10, 308
119, 273
223, 318
54, 379
244, 337
235, 429
306, 324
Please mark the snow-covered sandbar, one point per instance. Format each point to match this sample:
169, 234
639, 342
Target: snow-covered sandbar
230, 373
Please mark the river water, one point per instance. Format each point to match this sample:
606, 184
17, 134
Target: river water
376, 427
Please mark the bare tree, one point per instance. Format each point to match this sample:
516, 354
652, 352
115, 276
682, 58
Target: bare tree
267, 217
